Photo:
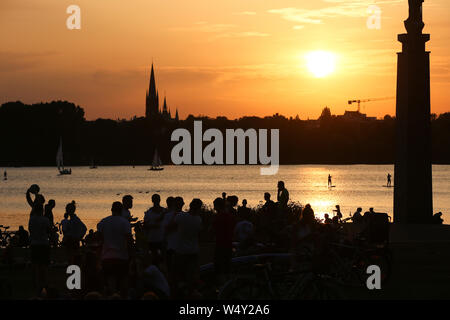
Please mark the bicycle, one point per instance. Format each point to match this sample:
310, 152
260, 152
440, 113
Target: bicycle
265, 283
6, 236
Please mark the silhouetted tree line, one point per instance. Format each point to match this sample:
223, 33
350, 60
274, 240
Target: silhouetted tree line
30, 134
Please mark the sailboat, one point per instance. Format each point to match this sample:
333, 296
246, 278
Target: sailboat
156, 164
60, 162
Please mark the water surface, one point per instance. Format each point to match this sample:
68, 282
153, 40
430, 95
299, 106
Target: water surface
95, 190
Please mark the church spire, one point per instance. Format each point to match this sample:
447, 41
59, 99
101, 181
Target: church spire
165, 104
152, 99
152, 84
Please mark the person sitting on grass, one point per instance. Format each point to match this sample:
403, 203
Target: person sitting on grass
154, 280
437, 218
244, 232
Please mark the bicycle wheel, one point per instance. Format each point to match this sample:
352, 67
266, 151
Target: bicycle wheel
314, 287
245, 289
348, 271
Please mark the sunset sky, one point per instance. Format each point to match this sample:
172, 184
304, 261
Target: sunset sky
231, 58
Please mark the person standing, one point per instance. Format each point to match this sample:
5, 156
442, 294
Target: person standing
282, 196
75, 231
338, 212
174, 207
187, 247
127, 202
330, 184
357, 216
38, 201
117, 241
48, 211
153, 222
39, 228
224, 225
389, 180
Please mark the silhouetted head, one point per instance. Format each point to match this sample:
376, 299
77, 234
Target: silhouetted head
179, 203
170, 201
51, 204
219, 204
244, 203
195, 206
21, 228
91, 232
371, 210
70, 208
224, 195
233, 200
280, 185
359, 210
127, 201
327, 216
307, 216
156, 199
117, 208
266, 196
34, 189
66, 215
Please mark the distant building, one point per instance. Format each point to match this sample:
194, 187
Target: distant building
152, 107
356, 116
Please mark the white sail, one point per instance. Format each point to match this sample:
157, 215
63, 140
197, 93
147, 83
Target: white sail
59, 157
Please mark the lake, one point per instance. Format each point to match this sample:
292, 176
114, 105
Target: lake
94, 190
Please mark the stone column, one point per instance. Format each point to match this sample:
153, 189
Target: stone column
413, 199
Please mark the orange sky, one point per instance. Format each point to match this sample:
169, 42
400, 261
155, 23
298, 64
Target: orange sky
232, 58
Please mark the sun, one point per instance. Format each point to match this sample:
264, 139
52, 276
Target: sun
320, 63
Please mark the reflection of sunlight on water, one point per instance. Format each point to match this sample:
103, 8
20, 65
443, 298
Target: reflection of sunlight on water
322, 206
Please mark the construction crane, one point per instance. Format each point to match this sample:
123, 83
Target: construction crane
359, 101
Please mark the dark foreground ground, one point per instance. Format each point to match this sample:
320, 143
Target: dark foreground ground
419, 271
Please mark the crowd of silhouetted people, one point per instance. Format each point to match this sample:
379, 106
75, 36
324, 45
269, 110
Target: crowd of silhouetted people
158, 256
